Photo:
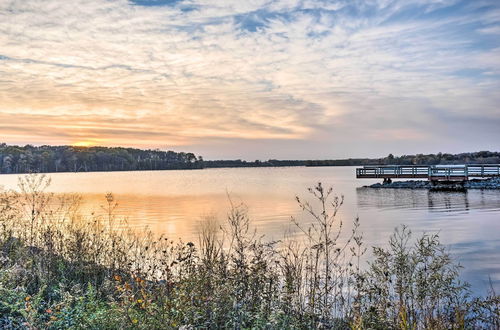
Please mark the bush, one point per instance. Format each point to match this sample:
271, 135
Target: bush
61, 270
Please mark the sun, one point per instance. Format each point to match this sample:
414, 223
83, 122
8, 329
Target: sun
82, 144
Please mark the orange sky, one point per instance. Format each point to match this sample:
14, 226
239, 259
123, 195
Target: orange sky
258, 79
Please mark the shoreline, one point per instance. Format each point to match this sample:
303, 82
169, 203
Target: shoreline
493, 183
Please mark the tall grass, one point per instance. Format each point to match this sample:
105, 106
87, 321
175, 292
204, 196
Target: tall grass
60, 269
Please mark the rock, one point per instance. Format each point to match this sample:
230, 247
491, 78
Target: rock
493, 183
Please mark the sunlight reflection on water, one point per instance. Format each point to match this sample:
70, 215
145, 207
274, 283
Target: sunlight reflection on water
173, 202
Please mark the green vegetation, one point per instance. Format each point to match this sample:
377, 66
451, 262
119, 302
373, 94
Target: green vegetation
59, 269
45, 159
17, 159
481, 157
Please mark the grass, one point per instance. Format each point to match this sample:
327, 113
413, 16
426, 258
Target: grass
61, 270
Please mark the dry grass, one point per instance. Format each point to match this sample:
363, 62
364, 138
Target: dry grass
59, 269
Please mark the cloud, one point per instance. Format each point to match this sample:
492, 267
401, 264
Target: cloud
179, 73
154, 3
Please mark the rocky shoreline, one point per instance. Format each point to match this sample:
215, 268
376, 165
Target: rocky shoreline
493, 183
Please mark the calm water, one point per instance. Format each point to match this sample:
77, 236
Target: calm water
173, 203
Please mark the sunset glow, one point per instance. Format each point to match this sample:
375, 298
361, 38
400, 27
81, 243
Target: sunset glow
250, 164
252, 79
83, 144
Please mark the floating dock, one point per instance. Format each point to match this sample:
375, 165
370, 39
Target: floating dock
430, 172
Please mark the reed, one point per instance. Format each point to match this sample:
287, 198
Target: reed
61, 269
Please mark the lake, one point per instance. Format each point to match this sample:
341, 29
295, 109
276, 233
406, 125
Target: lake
174, 202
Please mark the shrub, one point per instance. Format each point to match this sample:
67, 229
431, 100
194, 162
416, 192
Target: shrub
63, 270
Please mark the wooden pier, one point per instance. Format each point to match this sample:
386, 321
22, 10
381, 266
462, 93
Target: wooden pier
430, 172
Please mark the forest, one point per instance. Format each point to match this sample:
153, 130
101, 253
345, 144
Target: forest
46, 159
29, 158
481, 157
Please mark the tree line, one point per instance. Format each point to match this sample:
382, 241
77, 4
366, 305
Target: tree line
481, 157
29, 158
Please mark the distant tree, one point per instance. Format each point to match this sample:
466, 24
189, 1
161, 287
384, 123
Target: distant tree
16, 159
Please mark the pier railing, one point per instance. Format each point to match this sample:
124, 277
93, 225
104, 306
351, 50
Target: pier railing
431, 172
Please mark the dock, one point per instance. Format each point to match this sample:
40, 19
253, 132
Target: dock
450, 173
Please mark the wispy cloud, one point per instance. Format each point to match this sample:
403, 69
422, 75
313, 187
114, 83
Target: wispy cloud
338, 76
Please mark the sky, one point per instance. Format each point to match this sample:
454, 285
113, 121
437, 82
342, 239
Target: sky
256, 79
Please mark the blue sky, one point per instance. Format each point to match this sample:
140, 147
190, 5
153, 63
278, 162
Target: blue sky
254, 79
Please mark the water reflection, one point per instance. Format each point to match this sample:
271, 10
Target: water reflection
433, 201
173, 202
467, 222
448, 202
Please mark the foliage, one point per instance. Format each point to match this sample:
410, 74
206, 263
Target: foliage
59, 269
413, 286
44, 159
481, 157
18, 159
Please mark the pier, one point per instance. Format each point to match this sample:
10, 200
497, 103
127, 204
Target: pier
429, 172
